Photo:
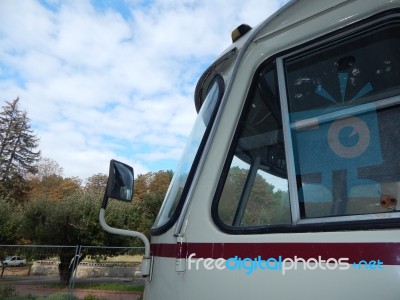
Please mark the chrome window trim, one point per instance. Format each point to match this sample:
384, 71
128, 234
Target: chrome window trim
290, 164
337, 219
360, 109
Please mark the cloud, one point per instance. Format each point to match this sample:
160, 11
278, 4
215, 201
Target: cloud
104, 80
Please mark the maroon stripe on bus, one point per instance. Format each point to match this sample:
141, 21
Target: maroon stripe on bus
388, 253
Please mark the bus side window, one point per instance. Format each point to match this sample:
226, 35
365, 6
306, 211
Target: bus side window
341, 100
344, 109
255, 192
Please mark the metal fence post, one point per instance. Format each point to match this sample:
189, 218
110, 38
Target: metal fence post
75, 262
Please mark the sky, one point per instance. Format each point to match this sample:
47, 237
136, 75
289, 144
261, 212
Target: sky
106, 79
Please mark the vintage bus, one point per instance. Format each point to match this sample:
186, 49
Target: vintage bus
289, 185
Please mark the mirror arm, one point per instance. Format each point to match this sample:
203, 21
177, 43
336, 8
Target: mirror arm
105, 199
146, 263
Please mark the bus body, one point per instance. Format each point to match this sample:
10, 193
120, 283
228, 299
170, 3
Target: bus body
290, 182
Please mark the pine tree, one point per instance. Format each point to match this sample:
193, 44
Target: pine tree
18, 145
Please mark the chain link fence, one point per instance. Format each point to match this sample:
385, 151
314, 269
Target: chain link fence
70, 272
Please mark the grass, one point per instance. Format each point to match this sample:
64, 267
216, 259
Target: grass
60, 296
110, 287
103, 286
120, 258
8, 293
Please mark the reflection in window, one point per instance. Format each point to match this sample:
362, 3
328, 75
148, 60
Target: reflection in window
255, 192
345, 133
358, 69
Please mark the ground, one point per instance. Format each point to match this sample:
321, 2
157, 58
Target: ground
39, 286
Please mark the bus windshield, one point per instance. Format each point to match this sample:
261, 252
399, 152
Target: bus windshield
191, 151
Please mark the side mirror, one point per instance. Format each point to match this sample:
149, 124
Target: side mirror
120, 186
120, 183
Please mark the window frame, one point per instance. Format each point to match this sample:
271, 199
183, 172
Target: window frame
314, 224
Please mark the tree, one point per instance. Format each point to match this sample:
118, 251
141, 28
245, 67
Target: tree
57, 222
155, 183
17, 145
46, 167
263, 206
14, 189
72, 218
150, 190
10, 221
96, 184
53, 187
71, 221
63, 213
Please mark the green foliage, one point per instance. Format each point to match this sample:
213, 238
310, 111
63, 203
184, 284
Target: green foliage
10, 221
73, 220
14, 189
264, 205
6, 291
62, 212
25, 297
59, 211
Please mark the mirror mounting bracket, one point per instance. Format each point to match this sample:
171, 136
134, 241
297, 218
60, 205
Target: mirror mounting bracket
146, 262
